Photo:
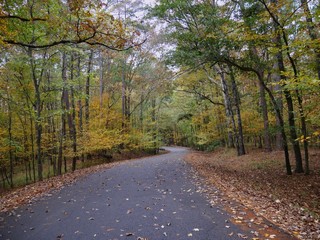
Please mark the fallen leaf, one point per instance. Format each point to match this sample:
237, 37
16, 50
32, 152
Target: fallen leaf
240, 235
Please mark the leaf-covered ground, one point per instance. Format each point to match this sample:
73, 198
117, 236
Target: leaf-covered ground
259, 182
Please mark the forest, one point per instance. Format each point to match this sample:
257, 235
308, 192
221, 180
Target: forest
86, 80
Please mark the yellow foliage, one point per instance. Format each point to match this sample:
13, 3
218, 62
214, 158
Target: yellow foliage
101, 133
252, 122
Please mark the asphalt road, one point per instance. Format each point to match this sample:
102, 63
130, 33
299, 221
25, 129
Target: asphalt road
152, 198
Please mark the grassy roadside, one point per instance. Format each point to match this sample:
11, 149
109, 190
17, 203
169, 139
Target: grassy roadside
259, 182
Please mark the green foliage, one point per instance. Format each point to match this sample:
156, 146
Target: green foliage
242, 34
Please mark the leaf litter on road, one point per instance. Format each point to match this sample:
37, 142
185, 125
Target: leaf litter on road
29, 193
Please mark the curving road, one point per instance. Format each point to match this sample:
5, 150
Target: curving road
152, 198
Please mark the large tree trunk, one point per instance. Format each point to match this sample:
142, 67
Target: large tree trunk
49, 129
264, 107
79, 103
228, 110
292, 128
141, 113
54, 151
26, 148
287, 94
305, 134
87, 100
73, 129
124, 95
10, 145
101, 76
281, 124
236, 97
38, 109
63, 115
32, 149
60, 151
263, 103
299, 165
66, 107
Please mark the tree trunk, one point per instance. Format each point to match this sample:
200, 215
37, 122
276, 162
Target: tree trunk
288, 97
26, 149
64, 101
32, 150
293, 133
51, 129
281, 123
79, 103
313, 34
263, 103
54, 150
80, 113
236, 97
10, 145
264, 108
277, 88
101, 87
141, 113
305, 134
124, 94
299, 165
72, 126
37, 109
153, 118
60, 151
66, 104
228, 109
87, 100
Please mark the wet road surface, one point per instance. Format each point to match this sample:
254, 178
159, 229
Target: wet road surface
152, 198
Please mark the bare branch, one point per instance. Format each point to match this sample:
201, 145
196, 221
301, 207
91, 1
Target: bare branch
22, 18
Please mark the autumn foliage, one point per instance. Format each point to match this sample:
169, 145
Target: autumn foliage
75, 87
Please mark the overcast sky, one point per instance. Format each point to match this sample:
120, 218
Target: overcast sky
149, 1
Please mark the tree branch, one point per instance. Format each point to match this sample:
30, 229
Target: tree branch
22, 18
202, 95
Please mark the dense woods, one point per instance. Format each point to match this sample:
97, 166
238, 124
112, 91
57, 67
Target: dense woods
250, 74
78, 82
82, 80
